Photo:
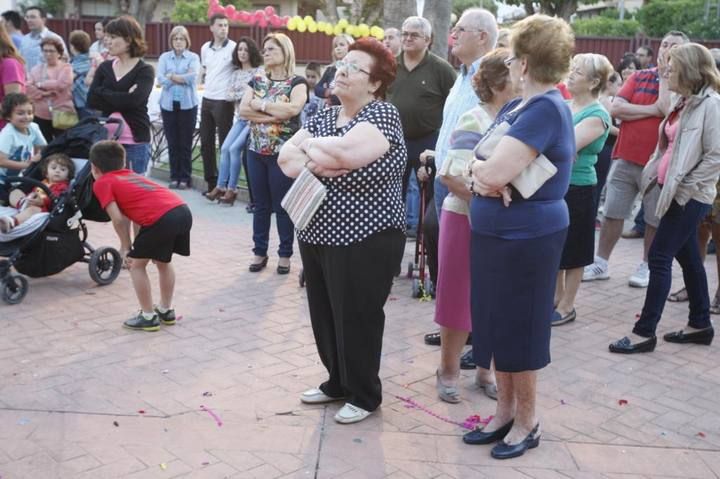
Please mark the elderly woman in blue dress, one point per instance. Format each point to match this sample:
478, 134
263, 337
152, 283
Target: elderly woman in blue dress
517, 242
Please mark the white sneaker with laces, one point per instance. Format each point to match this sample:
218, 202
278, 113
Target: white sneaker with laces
349, 414
595, 271
641, 276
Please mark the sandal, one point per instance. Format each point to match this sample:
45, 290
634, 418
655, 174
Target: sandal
446, 393
679, 296
715, 306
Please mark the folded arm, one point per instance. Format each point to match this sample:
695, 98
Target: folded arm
362, 145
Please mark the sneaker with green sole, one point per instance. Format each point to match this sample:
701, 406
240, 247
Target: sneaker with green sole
167, 318
140, 323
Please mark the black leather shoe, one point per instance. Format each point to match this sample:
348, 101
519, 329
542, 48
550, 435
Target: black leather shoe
502, 450
625, 346
256, 267
433, 339
283, 269
704, 336
467, 361
479, 437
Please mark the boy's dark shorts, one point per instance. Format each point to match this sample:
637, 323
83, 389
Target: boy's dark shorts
170, 234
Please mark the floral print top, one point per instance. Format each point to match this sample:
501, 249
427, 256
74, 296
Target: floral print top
268, 138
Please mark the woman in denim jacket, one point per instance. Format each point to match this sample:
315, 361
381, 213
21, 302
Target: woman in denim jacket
686, 165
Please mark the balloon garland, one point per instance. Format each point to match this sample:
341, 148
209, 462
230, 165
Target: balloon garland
269, 17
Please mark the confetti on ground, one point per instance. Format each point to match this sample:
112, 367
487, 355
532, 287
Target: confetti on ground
141, 411
179, 318
392, 298
165, 371
163, 466
116, 424
206, 463
637, 316
622, 402
562, 401
469, 423
207, 394
701, 434
213, 415
357, 440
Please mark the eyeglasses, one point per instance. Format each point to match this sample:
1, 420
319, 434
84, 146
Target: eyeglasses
460, 29
508, 61
412, 35
49, 51
350, 67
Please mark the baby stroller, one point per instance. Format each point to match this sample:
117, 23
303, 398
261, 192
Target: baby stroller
59, 239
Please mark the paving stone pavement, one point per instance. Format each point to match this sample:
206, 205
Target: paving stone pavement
216, 396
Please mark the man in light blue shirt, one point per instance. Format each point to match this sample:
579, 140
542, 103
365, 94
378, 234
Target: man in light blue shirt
13, 24
30, 47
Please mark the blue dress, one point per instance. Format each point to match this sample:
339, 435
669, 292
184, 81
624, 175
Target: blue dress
515, 250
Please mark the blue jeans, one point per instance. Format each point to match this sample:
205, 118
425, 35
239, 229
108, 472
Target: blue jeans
137, 157
179, 126
230, 155
676, 237
412, 203
269, 185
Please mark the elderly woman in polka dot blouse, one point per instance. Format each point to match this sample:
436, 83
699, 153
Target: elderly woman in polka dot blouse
355, 240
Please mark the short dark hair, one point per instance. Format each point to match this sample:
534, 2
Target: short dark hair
54, 41
626, 61
80, 41
314, 67
41, 10
14, 18
128, 28
648, 51
107, 155
216, 17
253, 52
63, 160
11, 101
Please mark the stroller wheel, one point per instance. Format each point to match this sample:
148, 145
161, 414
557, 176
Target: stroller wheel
104, 265
14, 289
410, 269
301, 278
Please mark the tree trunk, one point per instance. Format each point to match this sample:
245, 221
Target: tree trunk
395, 11
438, 12
330, 11
566, 9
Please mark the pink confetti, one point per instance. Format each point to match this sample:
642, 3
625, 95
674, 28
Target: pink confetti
622, 402
141, 411
469, 423
213, 415
701, 434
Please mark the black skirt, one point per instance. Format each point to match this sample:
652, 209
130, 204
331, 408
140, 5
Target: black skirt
579, 249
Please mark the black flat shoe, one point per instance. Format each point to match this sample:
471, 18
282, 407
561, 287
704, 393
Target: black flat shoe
283, 269
478, 437
625, 346
433, 339
502, 450
704, 336
558, 319
256, 267
467, 361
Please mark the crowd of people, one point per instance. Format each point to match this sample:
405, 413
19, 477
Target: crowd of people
516, 152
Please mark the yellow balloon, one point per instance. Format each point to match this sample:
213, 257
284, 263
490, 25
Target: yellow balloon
343, 23
301, 27
291, 25
329, 30
363, 29
308, 19
312, 27
338, 29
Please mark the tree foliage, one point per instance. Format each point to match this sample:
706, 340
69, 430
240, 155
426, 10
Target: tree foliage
660, 16
561, 8
602, 26
56, 8
459, 6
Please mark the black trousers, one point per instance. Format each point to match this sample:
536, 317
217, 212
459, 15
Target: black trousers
47, 129
216, 116
347, 287
179, 126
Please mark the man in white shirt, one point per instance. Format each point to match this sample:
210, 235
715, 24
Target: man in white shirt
35, 18
216, 112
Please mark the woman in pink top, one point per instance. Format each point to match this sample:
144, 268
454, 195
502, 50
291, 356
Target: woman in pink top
686, 165
12, 69
50, 86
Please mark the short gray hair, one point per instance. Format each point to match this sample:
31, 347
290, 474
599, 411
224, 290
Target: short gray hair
483, 20
419, 22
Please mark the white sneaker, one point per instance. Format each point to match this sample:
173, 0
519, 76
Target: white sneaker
595, 271
349, 414
316, 396
641, 276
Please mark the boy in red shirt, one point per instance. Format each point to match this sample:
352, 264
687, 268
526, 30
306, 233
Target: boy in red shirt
165, 221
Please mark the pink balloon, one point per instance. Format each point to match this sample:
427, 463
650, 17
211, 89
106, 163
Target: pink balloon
214, 3
263, 23
230, 11
269, 11
244, 17
259, 14
216, 10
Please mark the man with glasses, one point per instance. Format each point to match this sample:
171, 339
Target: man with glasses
35, 18
422, 83
473, 36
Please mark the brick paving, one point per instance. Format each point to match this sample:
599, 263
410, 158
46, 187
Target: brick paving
73, 383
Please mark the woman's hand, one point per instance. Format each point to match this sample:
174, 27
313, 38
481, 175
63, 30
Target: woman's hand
256, 104
318, 170
479, 187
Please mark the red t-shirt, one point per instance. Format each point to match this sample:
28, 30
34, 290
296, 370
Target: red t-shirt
56, 189
141, 200
637, 138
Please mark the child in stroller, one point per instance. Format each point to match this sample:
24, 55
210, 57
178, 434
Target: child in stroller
58, 169
47, 243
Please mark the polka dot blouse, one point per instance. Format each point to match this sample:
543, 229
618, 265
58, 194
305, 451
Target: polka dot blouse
367, 200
